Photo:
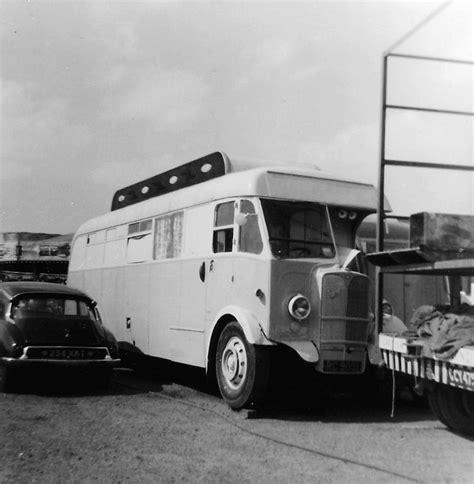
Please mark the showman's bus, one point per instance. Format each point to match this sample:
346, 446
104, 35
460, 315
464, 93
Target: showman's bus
218, 261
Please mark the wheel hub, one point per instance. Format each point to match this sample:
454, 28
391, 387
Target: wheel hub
234, 362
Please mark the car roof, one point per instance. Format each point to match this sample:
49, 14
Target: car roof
12, 289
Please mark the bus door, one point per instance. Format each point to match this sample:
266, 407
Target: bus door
193, 266
219, 268
136, 283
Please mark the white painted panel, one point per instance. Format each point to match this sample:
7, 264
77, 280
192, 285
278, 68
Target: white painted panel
193, 299
400, 345
139, 248
92, 284
115, 253
164, 307
252, 273
332, 192
136, 301
94, 256
198, 222
78, 254
385, 342
111, 303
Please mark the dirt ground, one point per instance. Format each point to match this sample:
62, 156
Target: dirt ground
167, 428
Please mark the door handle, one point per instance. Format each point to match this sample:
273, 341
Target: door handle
202, 272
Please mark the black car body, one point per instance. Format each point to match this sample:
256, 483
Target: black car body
51, 325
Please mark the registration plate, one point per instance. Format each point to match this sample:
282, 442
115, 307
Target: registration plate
460, 377
342, 366
67, 353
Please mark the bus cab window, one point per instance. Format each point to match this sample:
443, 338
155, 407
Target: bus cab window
250, 239
298, 229
223, 227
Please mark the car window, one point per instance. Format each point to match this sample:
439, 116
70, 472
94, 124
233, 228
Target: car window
56, 306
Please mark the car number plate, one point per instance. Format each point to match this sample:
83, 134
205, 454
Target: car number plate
67, 353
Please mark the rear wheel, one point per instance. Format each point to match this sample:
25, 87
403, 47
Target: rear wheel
6, 379
241, 368
457, 408
434, 403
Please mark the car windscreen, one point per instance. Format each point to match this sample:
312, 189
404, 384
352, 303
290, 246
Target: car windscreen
30, 306
298, 229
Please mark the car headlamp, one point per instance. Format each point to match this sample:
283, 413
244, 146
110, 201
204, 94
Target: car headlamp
299, 307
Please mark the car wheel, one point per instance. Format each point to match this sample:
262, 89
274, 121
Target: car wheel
242, 369
6, 379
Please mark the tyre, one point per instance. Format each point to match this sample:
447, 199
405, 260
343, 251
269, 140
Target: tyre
457, 407
242, 369
434, 403
6, 379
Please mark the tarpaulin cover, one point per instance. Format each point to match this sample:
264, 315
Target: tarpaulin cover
445, 330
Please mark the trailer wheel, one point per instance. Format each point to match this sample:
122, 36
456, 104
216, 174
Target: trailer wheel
457, 407
241, 368
434, 401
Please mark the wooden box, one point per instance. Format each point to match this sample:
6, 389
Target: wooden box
444, 232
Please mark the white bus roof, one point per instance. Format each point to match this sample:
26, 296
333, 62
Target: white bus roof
298, 184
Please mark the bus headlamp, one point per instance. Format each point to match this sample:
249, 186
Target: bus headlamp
299, 307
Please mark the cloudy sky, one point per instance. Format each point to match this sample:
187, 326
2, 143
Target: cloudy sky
98, 95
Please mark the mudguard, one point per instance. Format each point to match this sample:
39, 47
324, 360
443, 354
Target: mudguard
251, 327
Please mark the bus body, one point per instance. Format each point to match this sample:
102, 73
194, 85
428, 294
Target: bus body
216, 273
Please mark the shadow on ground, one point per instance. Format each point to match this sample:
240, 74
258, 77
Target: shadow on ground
296, 392
68, 383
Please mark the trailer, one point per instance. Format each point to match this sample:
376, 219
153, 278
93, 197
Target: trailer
447, 383
443, 245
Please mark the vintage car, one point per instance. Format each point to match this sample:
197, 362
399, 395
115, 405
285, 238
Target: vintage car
50, 326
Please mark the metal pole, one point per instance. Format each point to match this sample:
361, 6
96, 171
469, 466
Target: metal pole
381, 197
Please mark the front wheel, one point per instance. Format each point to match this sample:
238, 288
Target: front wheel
241, 368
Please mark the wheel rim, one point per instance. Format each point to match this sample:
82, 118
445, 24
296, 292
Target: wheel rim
234, 363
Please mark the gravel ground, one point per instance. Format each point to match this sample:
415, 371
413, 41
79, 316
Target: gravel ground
151, 429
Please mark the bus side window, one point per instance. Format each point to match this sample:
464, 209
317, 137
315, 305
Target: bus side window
250, 239
223, 227
140, 242
168, 236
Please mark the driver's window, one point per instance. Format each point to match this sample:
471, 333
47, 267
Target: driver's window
222, 240
250, 239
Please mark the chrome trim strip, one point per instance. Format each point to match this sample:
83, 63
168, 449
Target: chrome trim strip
191, 330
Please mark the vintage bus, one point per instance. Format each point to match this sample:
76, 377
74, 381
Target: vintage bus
217, 261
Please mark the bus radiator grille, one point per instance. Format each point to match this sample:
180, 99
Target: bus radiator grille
344, 308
